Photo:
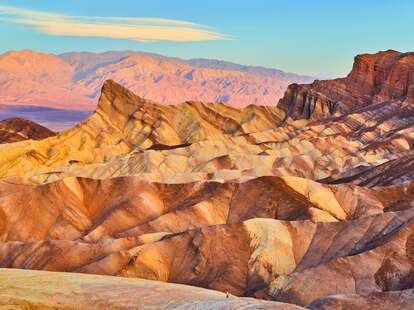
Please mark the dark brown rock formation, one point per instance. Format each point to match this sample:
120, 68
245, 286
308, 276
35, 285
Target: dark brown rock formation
18, 129
382, 77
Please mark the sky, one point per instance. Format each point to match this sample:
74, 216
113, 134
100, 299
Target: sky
318, 38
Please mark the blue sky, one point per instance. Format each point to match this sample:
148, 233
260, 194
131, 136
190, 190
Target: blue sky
311, 37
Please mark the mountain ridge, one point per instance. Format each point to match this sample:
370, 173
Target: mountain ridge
25, 78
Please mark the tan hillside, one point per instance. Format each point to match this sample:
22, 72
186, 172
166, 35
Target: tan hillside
124, 122
307, 204
20, 290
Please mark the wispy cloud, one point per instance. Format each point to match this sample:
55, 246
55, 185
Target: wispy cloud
128, 28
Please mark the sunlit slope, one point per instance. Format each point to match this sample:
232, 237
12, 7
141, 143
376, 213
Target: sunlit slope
124, 122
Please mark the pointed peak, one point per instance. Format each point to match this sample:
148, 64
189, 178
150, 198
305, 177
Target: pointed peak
117, 102
117, 94
110, 86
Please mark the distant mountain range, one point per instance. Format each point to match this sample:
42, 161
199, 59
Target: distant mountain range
74, 80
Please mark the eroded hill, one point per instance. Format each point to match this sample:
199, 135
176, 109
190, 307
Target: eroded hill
18, 129
307, 203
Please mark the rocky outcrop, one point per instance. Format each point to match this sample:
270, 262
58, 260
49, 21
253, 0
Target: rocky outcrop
381, 77
17, 129
302, 101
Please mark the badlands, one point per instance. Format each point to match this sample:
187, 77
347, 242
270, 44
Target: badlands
143, 205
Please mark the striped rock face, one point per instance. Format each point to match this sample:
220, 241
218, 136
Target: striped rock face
307, 204
18, 129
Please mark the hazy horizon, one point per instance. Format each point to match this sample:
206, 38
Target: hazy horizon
317, 39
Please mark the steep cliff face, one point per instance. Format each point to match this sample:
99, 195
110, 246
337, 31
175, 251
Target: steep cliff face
381, 77
302, 101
